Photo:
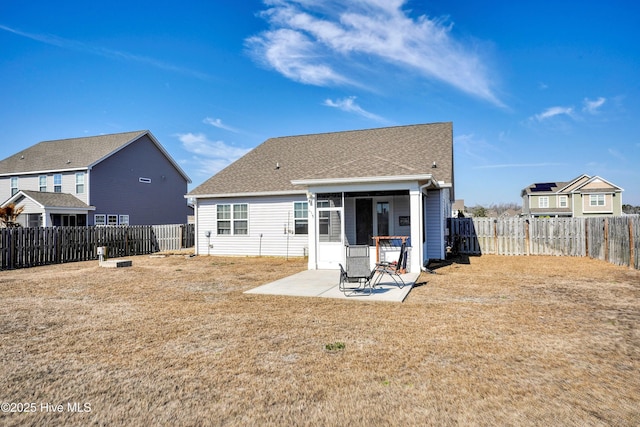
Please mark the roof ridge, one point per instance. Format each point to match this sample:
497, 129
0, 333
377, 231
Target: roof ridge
95, 136
360, 130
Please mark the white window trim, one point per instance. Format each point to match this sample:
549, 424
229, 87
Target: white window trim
57, 185
232, 220
104, 219
562, 199
295, 220
80, 175
597, 197
546, 200
112, 215
123, 219
40, 186
14, 185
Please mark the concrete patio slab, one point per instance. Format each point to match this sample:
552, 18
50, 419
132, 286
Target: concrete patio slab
324, 284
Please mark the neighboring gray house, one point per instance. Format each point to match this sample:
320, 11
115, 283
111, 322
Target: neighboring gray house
581, 197
119, 179
313, 194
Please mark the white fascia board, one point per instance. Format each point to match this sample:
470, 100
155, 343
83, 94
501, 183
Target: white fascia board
45, 172
62, 210
16, 196
360, 180
257, 194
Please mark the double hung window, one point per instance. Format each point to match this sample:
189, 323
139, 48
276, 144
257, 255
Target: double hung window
596, 200
300, 218
57, 183
79, 182
232, 219
14, 185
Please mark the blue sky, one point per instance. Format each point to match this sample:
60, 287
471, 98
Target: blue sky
537, 91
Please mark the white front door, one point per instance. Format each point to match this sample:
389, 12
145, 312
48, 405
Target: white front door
330, 232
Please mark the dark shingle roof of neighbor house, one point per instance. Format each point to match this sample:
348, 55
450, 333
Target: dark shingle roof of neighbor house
75, 153
57, 200
382, 152
64, 154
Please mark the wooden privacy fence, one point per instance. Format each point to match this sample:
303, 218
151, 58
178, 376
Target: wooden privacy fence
612, 239
33, 246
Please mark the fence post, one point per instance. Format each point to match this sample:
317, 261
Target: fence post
606, 239
632, 249
527, 237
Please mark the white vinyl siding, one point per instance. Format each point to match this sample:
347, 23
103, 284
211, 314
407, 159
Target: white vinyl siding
267, 219
56, 182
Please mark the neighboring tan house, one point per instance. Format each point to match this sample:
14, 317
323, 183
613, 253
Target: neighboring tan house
581, 197
119, 179
313, 194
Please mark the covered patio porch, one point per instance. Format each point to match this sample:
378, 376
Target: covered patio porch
367, 211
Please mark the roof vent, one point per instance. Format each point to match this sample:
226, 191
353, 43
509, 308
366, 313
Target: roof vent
68, 161
434, 165
277, 165
21, 157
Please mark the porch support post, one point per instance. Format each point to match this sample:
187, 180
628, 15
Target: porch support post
415, 201
313, 232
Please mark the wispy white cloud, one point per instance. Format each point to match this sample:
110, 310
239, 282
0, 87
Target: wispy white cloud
349, 105
592, 107
218, 123
323, 43
555, 111
209, 157
63, 43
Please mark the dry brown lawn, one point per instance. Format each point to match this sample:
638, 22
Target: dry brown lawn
174, 341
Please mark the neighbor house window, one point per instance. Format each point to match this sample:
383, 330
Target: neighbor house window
123, 219
543, 202
563, 202
112, 219
300, 218
57, 183
14, 185
233, 219
596, 200
100, 219
79, 182
42, 183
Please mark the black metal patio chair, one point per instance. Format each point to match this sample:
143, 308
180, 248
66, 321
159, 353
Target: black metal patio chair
355, 277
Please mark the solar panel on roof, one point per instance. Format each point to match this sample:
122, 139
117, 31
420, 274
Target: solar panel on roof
543, 186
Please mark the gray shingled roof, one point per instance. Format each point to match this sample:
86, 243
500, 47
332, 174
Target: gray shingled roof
66, 153
382, 152
56, 200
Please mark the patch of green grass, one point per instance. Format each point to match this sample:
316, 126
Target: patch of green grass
334, 346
